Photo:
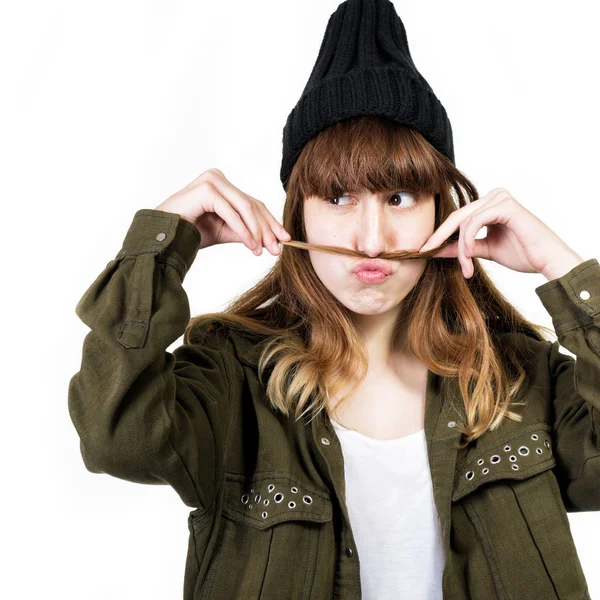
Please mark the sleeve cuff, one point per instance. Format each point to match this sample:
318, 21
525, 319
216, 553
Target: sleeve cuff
573, 300
165, 234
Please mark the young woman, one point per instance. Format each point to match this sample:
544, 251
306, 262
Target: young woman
374, 395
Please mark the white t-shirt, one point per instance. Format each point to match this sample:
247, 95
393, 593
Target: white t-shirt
394, 520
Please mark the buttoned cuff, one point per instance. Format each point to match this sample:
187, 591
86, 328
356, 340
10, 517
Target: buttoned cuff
166, 234
573, 300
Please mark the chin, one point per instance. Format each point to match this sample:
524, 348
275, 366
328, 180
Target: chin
373, 309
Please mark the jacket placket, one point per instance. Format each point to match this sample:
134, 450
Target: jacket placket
442, 436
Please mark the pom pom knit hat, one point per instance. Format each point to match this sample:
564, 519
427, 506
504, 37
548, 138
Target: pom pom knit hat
364, 67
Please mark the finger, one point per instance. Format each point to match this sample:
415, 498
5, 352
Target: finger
258, 208
226, 211
275, 231
451, 250
490, 215
465, 262
451, 224
278, 229
446, 229
268, 238
241, 203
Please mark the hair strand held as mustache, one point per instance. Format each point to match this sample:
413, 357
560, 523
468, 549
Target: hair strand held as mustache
394, 255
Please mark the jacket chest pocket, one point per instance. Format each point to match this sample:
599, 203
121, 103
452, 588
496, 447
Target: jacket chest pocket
268, 542
510, 524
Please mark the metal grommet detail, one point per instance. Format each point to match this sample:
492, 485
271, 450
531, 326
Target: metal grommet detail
512, 458
485, 471
292, 504
250, 505
547, 443
495, 459
451, 424
257, 498
245, 498
160, 237
469, 475
266, 501
264, 514
271, 487
280, 499
325, 441
251, 490
307, 499
584, 295
539, 450
507, 448
525, 450
534, 436
294, 490
515, 467
480, 461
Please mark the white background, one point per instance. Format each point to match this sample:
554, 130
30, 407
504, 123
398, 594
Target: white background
109, 107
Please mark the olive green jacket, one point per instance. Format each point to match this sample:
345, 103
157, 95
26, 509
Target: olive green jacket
270, 519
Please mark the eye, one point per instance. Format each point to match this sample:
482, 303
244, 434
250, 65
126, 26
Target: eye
415, 198
414, 195
335, 198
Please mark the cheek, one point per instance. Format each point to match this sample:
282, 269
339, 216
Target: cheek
325, 266
321, 233
317, 226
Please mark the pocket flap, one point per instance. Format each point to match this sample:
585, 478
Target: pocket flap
521, 454
272, 498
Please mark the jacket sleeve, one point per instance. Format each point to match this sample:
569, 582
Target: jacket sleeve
573, 302
144, 414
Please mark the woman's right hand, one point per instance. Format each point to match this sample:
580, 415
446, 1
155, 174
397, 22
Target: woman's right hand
222, 213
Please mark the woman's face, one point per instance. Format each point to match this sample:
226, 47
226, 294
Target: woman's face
371, 224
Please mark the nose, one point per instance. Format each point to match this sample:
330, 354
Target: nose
373, 234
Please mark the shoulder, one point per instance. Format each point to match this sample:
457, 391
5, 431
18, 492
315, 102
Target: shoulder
230, 339
527, 344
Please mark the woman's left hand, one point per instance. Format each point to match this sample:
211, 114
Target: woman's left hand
516, 238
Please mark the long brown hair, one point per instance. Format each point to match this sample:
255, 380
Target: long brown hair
451, 323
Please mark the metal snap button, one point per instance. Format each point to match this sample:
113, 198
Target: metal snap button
160, 237
250, 506
451, 424
325, 441
584, 295
349, 551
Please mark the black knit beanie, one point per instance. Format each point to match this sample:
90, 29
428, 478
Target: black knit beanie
364, 67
